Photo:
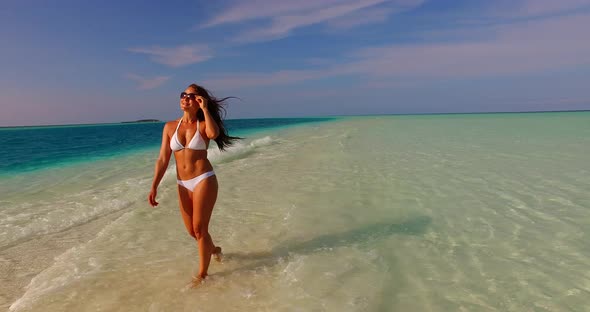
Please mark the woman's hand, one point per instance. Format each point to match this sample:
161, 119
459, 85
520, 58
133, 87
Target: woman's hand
202, 102
152, 197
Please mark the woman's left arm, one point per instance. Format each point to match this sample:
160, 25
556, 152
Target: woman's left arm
211, 127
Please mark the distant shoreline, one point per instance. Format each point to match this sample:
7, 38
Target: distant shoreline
142, 120
300, 117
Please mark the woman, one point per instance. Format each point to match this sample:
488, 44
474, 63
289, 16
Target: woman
188, 137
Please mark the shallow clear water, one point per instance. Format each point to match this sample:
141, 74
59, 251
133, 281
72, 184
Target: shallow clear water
24, 149
392, 213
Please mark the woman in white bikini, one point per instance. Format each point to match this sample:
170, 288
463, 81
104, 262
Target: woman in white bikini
188, 137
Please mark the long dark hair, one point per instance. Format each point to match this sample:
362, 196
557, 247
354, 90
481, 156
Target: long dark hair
217, 111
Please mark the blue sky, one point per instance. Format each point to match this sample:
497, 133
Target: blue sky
68, 62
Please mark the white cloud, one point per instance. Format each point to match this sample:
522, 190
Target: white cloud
364, 17
147, 83
254, 9
283, 18
516, 9
281, 77
544, 7
513, 49
176, 56
525, 47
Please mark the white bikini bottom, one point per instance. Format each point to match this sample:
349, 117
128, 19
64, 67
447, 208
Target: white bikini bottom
192, 183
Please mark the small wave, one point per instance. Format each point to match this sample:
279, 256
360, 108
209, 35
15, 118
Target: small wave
76, 200
57, 216
71, 265
239, 150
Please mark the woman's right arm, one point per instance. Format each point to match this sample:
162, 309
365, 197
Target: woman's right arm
161, 165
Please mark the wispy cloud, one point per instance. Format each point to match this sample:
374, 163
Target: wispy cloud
284, 24
176, 56
532, 8
519, 48
500, 12
283, 18
282, 77
364, 17
242, 11
514, 49
147, 83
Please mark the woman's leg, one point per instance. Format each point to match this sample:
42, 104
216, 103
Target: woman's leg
185, 199
204, 197
186, 211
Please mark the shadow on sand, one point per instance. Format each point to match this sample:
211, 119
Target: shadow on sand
363, 235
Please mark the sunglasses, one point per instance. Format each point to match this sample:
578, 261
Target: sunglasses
190, 96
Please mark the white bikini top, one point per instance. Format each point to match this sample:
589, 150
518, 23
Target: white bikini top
196, 143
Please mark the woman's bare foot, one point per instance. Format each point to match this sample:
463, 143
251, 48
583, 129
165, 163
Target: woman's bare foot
197, 281
217, 254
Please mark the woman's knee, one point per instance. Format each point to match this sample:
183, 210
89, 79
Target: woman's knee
200, 231
191, 232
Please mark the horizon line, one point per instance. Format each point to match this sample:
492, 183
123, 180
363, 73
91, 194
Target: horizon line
143, 121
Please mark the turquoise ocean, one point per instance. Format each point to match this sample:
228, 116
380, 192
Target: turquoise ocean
450, 212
